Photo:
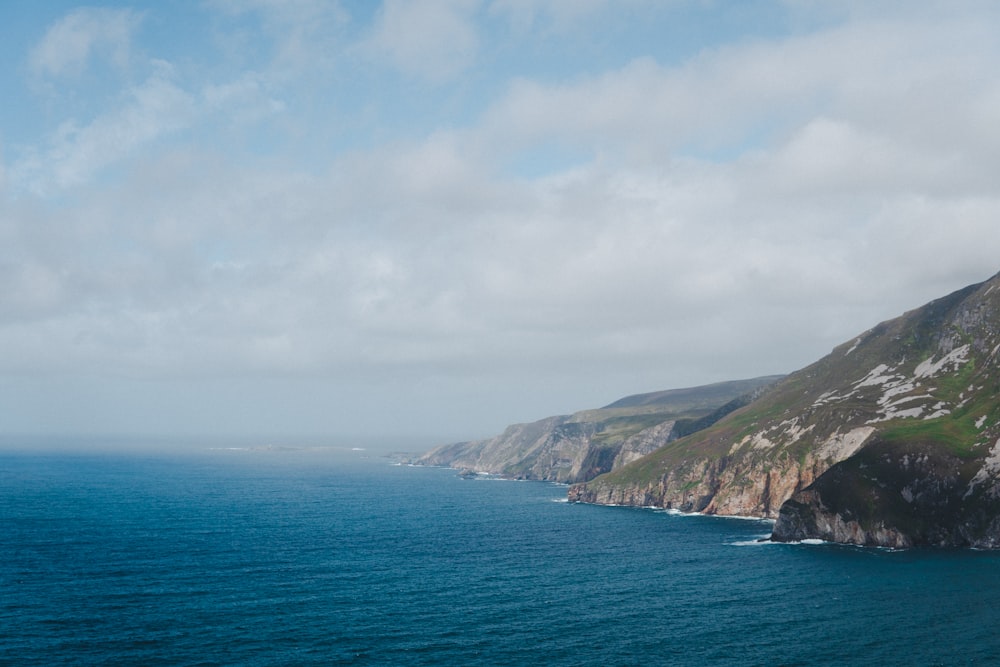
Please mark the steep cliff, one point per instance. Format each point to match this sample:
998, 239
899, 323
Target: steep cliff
896, 494
578, 447
892, 439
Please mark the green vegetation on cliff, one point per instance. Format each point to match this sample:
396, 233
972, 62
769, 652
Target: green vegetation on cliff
838, 439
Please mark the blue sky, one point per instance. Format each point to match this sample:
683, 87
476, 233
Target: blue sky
438, 217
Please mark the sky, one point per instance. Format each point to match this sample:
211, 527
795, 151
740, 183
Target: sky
435, 218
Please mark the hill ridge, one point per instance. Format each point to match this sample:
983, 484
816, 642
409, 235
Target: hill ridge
922, 386
580, 446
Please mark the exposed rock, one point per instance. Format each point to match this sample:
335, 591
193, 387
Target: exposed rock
581, 446
896, 494
725, 486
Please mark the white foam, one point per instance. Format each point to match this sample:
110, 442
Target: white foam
766, 540
816, 542
763, 540
740, 517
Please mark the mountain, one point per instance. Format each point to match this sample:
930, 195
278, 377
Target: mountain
892, 439
578, 447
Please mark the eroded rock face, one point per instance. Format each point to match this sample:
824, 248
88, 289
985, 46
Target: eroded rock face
581, 446
897, 495
553, 449
805, 517
722, 486
642, 443
741, 484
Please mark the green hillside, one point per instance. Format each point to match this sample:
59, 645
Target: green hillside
923, 386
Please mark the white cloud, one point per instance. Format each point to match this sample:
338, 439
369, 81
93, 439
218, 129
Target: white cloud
304, 34
905, 88
76, 153
432, 39
554, 15
244, 102
739, 213
70, 43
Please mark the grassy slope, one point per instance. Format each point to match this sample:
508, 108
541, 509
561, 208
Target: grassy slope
902, 343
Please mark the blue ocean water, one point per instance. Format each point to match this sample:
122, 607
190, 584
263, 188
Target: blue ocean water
313, 558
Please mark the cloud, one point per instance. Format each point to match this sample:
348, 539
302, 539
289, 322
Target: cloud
897, 84
76, 153
423, 253
432, 39
83, 34
303, 34
736, 213
557, 15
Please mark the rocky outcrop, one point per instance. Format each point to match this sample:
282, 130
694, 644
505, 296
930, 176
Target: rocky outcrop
727, 485
897, 494
642, 443
806, 517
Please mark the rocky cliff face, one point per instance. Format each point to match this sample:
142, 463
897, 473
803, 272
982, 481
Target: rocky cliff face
893, 439
932, 477
579, 447
729, 485
896, 494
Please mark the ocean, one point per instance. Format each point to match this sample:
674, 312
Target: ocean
337, 557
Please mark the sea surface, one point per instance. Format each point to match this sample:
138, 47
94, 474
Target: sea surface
326, 557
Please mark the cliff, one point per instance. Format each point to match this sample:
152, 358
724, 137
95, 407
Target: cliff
578, 447
892, 439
